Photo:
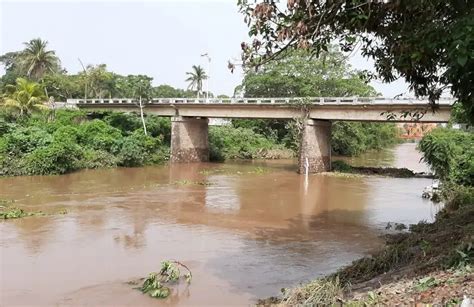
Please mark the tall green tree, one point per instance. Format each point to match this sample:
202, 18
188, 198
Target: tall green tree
98, 82
167, 91
25, 97
62, 86
195, 79
35, 60
134, 86
301, 75
428, 43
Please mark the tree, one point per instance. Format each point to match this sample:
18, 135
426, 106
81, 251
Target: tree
167, 91
300, 75
12, 71
35, 60
196, 76
136, 86
97, 81
26, 97
133, 86
62, 86
429, 43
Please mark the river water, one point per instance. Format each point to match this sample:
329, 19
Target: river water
245, 229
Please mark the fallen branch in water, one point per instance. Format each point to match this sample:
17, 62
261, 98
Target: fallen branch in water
169, 273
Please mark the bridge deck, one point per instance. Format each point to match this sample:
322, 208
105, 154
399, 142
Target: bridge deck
337, 108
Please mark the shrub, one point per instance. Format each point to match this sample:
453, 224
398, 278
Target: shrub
136, 149
348, 139
352, 139
450, 153
125, 122
66, 134
56, 158
26, 139
98, 135
238, 143
159, 127
97, 159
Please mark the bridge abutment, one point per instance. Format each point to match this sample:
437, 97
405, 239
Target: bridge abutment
189, 139
315, 147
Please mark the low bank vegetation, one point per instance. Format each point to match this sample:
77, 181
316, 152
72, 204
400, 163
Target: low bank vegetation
37, 145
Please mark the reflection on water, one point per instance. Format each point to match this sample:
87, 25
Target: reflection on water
403, 155
244, 233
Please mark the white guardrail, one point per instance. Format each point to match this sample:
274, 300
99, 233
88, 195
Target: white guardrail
315, 100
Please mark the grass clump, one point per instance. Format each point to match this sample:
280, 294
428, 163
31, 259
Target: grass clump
320, 292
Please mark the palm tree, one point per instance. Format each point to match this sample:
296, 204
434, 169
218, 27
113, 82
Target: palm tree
195, 79
35, 60
25, 96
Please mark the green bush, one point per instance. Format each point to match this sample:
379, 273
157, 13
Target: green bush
238, 143
68, 141
98, 135
97, 159
26, 139
352, 139
136, 149
125, 122
67, 134
56, 158
450, 153
159, 127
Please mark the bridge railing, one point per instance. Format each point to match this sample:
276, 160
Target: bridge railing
270, 101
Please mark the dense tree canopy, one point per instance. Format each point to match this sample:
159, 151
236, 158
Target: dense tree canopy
300, 75
429, 43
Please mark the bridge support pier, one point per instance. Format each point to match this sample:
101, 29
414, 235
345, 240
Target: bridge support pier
315, 147
189, 142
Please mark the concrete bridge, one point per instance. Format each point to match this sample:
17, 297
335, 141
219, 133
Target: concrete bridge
189, 128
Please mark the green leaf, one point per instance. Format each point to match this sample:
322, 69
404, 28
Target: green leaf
462, 60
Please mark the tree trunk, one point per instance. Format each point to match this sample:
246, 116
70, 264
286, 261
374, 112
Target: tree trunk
141, 115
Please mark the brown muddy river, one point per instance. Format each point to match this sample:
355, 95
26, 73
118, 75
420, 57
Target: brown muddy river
244, 229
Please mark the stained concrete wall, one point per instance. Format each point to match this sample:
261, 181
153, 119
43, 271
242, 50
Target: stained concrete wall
358, 112
315, 146
189, 139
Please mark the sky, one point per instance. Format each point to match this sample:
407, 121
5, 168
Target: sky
161, 39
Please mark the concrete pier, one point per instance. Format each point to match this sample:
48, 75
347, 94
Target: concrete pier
315, 147
189, 139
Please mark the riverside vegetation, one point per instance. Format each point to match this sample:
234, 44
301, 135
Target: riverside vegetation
73, 140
